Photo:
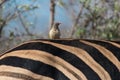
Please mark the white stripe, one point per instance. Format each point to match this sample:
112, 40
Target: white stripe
22, 71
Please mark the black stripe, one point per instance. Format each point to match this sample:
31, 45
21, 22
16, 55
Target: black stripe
115, 50
101, 59
34, 66
67, 56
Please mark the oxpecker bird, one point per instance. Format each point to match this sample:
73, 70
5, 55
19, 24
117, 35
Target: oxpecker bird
54, 32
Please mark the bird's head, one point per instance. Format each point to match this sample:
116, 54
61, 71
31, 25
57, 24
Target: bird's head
56, 24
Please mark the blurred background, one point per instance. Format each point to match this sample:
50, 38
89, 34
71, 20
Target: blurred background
23, 20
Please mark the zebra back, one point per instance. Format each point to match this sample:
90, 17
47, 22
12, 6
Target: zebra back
62, 60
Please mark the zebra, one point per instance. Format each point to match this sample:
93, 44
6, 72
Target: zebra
62, 59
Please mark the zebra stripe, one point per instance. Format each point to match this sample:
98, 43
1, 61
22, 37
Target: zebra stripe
62, 60
106, 53
20, 73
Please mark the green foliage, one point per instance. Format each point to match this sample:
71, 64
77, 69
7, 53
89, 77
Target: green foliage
80, 32
11, 35
27, 7
60, 3
117, 7
102, 20
1, 20
85, 2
